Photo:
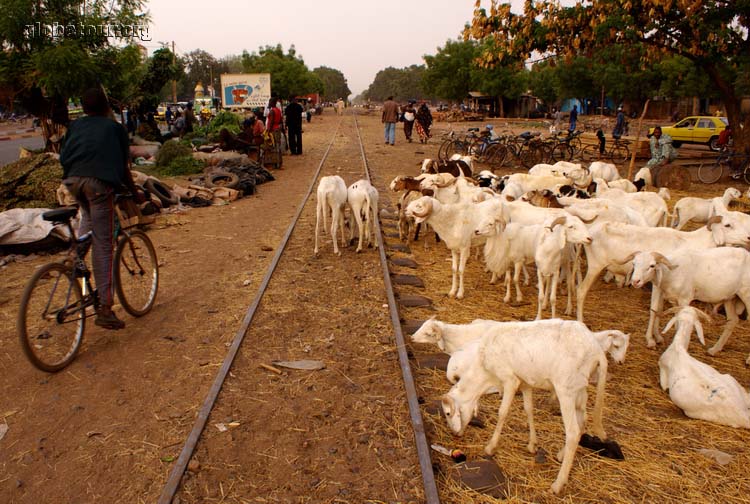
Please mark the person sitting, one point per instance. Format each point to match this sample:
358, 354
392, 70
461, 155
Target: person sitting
149, 130
724, 137
662, 153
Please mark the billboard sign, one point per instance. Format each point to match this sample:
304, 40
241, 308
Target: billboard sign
245, 90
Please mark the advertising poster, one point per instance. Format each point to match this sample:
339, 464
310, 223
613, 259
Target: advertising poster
245, 90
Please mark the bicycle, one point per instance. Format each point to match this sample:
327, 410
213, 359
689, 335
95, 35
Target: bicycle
617, 152
55, 303
738, 164
564, 146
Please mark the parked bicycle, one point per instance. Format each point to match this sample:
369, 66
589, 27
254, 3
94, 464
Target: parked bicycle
527, 149
734, 163
57, 299
564, 146
617, 151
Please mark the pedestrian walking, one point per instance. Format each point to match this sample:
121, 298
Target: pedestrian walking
573, 119
423, 123
409, 116
293, 113
389, 119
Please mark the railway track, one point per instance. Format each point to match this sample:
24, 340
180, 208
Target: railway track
363, 439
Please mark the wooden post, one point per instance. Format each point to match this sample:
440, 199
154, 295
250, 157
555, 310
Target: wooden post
637, 141
174, 82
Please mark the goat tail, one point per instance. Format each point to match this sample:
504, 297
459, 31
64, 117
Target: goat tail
674, 218
601, 383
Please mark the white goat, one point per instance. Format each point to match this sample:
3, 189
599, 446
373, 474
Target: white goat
605, 171
548, 354
652, 206
553, 252
331, 195
363, 202
715, 275
613, 242
695, 387
455, 223
699, 209
450, 337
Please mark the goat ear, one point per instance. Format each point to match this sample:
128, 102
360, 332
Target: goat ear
699, 332
669, 325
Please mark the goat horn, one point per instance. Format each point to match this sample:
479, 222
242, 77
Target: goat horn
559, 220
713, 220
626, 260
660, 259
428, 209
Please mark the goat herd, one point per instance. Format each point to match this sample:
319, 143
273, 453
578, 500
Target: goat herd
546, 218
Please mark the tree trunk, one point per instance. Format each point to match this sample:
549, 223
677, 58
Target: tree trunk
732, 103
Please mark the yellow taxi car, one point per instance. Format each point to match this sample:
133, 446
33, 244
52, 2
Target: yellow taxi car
696, 130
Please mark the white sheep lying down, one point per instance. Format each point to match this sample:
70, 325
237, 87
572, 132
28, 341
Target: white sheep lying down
697, 388
556, 355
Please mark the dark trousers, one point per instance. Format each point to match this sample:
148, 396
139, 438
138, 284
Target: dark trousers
97, 201
295, 140
408, 127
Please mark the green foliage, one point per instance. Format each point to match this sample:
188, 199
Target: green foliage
449, 73
401, 83
171, 150
224, 119
182, 165
334, 83
289, 74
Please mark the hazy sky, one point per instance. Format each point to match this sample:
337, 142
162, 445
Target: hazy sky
359, 38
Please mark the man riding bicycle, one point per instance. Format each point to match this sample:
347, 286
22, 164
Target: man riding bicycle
94, 156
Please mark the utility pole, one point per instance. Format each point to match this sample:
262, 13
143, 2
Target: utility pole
174, 82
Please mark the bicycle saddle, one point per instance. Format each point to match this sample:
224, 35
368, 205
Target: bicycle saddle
63, 214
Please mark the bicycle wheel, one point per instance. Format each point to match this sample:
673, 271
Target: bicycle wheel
620, 154
51, 318
590, 153
443, 149
531, 155
710, 173
496, 154
746, 172
455, 147
136, 274
562, 152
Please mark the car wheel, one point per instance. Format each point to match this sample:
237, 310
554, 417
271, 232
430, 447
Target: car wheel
713, 144
677, 144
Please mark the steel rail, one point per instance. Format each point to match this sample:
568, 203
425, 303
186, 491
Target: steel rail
173, 482
423, 449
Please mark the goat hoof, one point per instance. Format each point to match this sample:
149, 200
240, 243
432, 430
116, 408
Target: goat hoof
556, 487
489, 450
713, 351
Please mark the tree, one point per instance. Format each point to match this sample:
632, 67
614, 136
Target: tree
334, 83
712, 34
449, 72
289, 74
200, 66
54, 50
401, 83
